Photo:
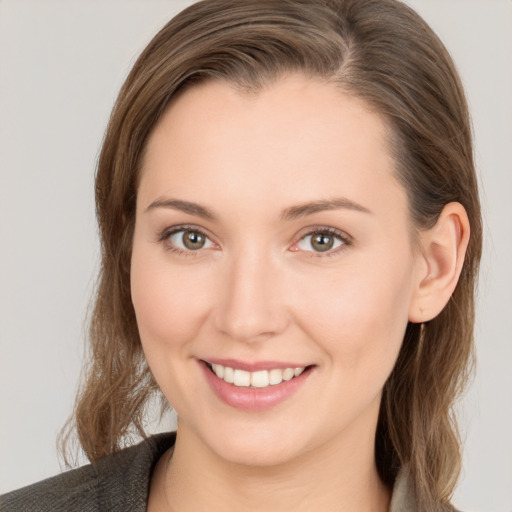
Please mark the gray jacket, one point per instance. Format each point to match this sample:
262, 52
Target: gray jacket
120, 483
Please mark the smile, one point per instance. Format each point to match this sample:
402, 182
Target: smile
258, 379
263, 388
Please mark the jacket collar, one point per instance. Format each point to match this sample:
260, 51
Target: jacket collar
403, 498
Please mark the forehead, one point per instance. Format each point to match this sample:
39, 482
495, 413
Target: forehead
294, 140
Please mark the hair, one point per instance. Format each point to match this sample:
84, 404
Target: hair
379, 51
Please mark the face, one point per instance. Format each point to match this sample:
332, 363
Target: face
271, 235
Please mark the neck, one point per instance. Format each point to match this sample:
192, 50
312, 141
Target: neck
338, 476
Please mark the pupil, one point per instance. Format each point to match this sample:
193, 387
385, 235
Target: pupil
193, 240
322, 242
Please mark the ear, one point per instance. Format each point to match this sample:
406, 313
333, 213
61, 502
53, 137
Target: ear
442, 250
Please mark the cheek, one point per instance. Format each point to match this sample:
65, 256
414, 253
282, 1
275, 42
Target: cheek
169, 303
359, 314
170, 312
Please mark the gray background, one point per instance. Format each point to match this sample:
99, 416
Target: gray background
61, 65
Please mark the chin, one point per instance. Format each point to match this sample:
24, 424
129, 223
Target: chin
258, 454
261, 445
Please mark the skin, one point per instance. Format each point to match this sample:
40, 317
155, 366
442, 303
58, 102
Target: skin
259, 290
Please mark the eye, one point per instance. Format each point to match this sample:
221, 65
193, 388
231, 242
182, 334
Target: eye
186, 240
325, 240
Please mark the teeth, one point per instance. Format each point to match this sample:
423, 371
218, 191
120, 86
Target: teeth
288, 374
242, 378
219, 370
229, 375
298, 371
275, 376
259, 379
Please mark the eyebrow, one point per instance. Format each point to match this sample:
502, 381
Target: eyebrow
183, 206
291, 213
302, 210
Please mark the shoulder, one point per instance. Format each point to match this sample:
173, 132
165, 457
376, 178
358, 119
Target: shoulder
404, 498
118, 482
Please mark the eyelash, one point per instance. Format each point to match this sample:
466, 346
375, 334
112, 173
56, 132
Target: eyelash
340, 235
167, 233
345, 240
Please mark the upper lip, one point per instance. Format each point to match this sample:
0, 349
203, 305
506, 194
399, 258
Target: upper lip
254, 366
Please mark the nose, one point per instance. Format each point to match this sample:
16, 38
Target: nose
251, 304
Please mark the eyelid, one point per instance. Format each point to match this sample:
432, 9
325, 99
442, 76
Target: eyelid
344, 237
165, 234
311, 230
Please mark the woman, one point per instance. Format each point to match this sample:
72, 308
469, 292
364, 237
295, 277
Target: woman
290, 235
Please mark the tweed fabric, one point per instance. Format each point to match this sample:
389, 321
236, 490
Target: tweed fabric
117, 483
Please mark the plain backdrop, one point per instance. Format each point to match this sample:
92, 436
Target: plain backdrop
61, 66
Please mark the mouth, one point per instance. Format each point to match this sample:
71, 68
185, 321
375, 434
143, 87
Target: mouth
259, 379
254, 387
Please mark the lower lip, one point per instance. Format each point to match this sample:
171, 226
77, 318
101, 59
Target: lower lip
253, 399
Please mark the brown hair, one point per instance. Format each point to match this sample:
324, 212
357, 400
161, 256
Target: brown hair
378, 50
